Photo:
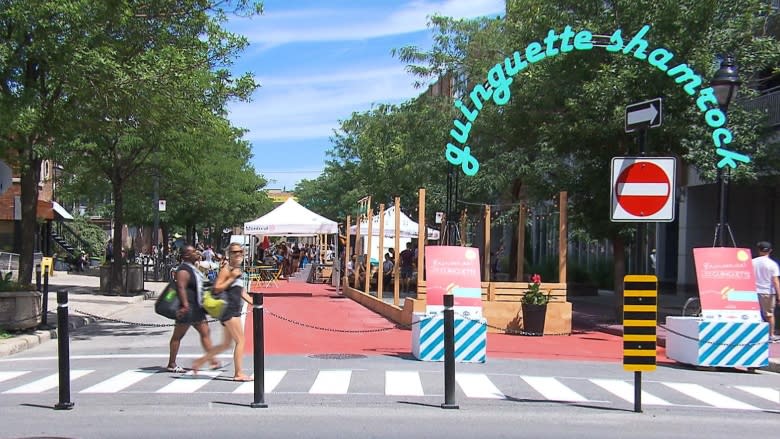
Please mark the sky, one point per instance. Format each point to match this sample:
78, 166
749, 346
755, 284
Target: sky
317, 62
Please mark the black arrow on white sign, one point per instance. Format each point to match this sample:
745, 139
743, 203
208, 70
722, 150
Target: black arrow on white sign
643, 115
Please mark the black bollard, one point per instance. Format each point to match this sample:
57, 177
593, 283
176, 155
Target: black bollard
38, 277
449, 353
63, 351
45, 302
259, 353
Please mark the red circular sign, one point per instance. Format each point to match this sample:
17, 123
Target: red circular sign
642, 189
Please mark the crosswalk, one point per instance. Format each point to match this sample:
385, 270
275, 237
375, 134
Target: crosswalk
400, 383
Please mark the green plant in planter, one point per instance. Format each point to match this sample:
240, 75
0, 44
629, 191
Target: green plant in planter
8, 284
534, 295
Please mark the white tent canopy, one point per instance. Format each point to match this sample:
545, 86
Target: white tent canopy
409, 228
290, 219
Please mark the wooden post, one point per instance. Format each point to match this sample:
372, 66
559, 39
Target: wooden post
563, 237
358, 252
486, 256
346, 252
521, 219
380, 276
422, 237
396, 268
368, 253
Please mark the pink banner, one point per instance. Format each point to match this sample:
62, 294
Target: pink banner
454, 269
727, 286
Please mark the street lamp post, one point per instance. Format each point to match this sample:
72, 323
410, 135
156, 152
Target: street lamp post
726, 84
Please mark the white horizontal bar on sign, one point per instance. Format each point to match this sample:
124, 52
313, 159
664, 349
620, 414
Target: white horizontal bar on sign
643, 189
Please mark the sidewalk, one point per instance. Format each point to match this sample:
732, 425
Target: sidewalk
84, 299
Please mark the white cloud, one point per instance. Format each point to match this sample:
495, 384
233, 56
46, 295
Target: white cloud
319, 25
310, 107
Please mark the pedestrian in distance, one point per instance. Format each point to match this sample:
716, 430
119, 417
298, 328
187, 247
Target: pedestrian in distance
767, 285
230, 286
189, 284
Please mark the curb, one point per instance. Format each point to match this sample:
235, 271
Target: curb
24, 341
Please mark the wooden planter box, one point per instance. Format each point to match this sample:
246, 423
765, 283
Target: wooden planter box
20, 310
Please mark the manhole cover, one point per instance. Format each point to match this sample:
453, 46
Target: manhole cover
337, 356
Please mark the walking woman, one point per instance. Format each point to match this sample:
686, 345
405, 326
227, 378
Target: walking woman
230, 286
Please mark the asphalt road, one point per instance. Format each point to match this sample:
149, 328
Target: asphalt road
120, 390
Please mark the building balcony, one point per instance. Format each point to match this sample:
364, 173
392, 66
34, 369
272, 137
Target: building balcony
769, 103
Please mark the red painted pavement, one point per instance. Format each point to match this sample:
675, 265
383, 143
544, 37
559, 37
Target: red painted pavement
319, 305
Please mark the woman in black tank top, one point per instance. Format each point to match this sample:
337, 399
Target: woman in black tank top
230, 286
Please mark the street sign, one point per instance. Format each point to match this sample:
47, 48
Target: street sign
640, 317
161, 205
643, 189
643, 115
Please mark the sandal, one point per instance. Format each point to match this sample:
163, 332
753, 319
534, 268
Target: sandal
175, 369
243, 378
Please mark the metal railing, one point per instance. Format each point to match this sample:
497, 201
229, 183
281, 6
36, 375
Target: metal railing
769, 103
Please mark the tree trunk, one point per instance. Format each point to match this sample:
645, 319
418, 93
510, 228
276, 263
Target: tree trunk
119, 260
31, 173
619, 255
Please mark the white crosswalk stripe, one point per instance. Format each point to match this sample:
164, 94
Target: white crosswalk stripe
553, 389
272, 379
772, 395
189, 383
331, 382
403, 383
625, 391
710, 397
396, 383
47, 383
478, 385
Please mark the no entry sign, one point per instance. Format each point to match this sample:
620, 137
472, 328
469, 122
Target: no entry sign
643, 189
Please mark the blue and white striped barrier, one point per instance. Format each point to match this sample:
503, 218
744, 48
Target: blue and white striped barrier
717, 343
428, 339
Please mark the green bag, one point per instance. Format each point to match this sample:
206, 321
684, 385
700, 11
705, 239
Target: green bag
168, 304
214, 306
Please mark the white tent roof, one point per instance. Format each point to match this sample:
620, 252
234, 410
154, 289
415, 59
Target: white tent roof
290, 219
409, 228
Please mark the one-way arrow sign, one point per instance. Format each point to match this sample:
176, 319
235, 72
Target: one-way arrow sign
643, 115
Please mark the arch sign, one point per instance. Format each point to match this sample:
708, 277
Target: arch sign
500, 77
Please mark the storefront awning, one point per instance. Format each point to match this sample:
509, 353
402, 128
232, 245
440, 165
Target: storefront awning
61, 212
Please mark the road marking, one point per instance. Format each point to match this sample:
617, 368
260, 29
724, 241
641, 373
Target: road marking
625, 391
189, 383
403, 383
272, 379
5, 376
553, 389
331, 382
767, 393
478, 385
710, 397
119, 382
47, 383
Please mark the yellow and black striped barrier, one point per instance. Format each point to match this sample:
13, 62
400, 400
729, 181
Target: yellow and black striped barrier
640, 317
